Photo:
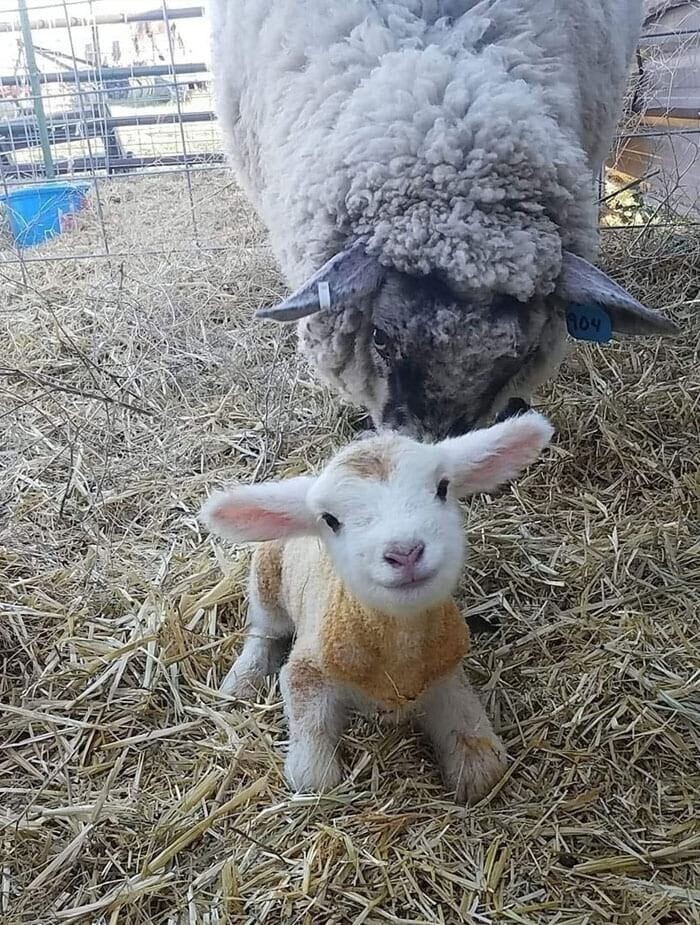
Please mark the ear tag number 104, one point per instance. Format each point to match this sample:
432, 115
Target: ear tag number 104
589, 322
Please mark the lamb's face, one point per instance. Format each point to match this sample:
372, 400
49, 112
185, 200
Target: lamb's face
386, 508
443, 366
390, 520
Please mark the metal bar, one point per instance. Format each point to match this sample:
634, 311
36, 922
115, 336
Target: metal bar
106, 19
650, 36
79, 165
12, 127
111, 73
680, 112
96, 91
35, 84
659, 134
165, 118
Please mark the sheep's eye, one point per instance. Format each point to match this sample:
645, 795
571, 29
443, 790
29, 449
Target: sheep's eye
442, 489
381, 341
332, 522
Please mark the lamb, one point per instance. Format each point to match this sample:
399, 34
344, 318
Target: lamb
426, 172
359, 564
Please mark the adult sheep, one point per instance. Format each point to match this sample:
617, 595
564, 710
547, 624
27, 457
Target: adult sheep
426, 172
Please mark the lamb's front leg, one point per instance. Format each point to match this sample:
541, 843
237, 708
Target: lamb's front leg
472, 757
268, 633
317, 714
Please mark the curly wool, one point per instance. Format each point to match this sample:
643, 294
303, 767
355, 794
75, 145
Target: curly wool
451, 136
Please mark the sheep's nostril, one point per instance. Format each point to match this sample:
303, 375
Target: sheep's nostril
404, 556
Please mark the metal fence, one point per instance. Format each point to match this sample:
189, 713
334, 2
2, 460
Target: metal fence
118, 93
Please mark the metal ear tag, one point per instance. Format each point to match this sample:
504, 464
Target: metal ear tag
589, 322
324, 295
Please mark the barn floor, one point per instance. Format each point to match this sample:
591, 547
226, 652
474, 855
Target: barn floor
128, 795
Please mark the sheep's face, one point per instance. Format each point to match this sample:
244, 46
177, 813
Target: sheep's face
386, 509
430, 363
443, 366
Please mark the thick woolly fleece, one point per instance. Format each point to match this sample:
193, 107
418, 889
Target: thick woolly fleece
450, 135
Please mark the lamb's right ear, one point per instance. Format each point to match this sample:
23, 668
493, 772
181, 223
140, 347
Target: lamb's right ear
345, 279
255, 513
484, 459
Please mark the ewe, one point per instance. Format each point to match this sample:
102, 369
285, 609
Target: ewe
426, 172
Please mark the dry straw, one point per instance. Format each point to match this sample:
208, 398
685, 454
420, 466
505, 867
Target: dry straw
129, 795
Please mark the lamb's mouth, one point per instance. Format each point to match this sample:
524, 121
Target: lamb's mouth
411, 584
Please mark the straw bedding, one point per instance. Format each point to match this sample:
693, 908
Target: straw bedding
128, 794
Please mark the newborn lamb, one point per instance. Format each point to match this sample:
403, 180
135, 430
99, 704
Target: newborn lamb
359, 564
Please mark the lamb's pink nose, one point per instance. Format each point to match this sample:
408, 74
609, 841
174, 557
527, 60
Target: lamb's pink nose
404, 556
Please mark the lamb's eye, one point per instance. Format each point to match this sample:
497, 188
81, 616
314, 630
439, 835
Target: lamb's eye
332, 522
443, 485
381, 341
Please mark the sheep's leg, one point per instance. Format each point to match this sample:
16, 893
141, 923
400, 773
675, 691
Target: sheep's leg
514, 408
362, 423
317, 714
268, 634
472, 757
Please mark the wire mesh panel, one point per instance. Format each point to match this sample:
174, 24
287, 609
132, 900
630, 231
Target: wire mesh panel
118, 96
656, 161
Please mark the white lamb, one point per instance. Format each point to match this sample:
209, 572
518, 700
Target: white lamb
430, 165
359, 564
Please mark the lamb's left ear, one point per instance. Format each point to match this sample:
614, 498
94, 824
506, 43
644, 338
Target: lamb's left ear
582, 283
343, 280
484, 459
255, 513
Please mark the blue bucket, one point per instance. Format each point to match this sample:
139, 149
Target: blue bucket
40, 212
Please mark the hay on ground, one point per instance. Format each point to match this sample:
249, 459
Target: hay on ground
128, 795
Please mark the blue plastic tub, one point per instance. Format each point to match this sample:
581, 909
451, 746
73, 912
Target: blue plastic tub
37, 213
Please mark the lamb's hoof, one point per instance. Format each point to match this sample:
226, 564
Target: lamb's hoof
241, 686
475, 768
514, 408
312, 773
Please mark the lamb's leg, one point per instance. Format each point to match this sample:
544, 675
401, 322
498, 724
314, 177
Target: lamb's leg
472, 757
317, 714
268, 633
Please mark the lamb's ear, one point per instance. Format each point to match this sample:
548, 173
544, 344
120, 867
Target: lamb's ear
484, 459
345, 279
254, 513
582, 283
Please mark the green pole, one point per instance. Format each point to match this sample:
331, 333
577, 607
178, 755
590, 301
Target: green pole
35, 84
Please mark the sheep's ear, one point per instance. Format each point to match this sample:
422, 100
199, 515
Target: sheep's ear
484, 459
345, 279
254, 513
581, 283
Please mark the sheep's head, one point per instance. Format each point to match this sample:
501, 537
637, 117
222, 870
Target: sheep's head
430, 362
386, 508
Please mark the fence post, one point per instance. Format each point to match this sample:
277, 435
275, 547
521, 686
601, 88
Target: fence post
35, 84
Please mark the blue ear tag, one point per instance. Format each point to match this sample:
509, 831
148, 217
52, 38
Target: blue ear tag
589, 322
